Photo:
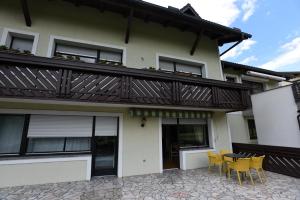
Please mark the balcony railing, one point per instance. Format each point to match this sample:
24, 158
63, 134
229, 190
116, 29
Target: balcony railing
34, 77
296, 91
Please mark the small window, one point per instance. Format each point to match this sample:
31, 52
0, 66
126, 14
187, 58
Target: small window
256, 87
252, 129
90, 55
230, 79
22, 44
11, 129
185, 67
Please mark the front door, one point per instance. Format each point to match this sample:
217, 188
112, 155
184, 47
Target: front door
105, 155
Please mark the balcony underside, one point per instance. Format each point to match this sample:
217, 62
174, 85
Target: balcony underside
32, 77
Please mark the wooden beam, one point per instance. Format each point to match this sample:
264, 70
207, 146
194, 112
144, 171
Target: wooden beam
26, 13
129, 21
237, 43
195, 44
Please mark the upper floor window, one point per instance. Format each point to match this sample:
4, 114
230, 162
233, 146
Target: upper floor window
86, 54
231, 79
20, 40
255, 87
181, 66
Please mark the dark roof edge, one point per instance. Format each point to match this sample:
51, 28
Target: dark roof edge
288, 75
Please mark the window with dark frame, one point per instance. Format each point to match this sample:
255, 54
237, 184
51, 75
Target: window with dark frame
90, 55
255, 87
175, 66
252, 129
230, 79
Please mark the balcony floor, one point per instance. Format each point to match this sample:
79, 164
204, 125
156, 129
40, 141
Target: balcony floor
175, 184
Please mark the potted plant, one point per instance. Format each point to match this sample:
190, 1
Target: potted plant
59, 57
3, 48
27, 52
152, 68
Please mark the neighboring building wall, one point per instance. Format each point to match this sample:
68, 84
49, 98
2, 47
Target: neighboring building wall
275, 113
44, 170
147, 40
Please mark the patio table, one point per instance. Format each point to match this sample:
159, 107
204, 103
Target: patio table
235, 156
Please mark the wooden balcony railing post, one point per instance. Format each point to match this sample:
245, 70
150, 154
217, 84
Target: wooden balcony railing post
176, 92
125, 87
215, 96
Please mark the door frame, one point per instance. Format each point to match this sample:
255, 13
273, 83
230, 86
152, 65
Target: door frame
119, 150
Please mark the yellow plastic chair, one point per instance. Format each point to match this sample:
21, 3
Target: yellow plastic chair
241, 165
226, 159
256, 164
215, 160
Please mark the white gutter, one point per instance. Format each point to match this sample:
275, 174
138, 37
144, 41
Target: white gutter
261, 75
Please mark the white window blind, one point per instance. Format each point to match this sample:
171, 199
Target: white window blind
166, 65
192, 121
22, 44
188, 68
60, 126
75, 50
106, 126
110, 56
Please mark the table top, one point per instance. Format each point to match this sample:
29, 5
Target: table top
235, 155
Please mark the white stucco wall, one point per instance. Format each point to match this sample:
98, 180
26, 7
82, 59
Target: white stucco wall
275, 113
44, 170
147, 40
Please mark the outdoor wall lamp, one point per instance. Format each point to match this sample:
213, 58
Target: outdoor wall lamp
143, 121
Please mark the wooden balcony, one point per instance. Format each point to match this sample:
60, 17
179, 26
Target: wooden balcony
296, 91
33, 77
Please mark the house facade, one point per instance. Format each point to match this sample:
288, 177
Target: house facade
120, 88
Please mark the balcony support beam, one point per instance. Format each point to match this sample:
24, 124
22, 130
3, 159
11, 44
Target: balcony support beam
26, 12
128, 28
195, 44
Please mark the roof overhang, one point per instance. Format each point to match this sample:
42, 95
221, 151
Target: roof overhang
167, 17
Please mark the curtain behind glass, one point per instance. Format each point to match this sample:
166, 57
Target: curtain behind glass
11, 128
40, 145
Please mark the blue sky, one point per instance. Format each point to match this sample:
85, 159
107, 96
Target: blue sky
274, 25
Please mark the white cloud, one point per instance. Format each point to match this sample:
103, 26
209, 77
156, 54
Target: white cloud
290, 54
248, 8
248, 60
238, 50
224, 12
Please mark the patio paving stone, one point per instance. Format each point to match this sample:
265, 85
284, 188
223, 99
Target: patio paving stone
171, 185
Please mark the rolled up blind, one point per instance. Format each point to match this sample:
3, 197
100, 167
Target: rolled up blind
106, 126
192, 121
60, 126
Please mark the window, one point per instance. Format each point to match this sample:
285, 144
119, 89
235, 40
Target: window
256, 87
252, 129
90, 55
51, 133
185, 67
22, 44
46, 145
20, 40
187, 133
230, 79
11, 129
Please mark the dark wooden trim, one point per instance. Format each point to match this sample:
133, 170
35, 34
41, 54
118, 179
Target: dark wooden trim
234, 45
24, 141
93, 145
26, 12
296, 91
195, 44
129, 24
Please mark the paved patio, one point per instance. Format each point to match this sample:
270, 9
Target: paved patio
175, 184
